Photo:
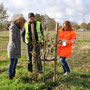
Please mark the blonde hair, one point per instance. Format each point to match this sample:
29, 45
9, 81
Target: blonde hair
19, 21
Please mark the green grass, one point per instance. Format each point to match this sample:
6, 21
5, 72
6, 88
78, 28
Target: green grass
79, 62
83, 40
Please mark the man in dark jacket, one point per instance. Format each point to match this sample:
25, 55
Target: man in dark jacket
27, 38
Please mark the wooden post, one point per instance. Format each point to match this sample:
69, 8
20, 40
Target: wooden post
34, 52
55, 61
45, 39
44, 61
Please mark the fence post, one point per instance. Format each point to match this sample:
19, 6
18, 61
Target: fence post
55, 61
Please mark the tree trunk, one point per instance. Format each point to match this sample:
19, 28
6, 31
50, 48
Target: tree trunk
34, 52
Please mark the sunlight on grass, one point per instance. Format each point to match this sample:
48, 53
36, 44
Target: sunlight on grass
78, 79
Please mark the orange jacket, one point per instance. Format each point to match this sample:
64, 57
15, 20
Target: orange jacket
70, 38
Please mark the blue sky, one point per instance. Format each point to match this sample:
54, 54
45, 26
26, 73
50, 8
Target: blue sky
60, 10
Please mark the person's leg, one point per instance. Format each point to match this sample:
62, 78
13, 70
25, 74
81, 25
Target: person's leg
65, 65
61, 60
11, 61
63, 69
29, 57
39, 63
14, 67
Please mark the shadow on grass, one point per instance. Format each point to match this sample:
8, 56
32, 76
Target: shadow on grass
27, 79
4, 62
76, 79
73, 79
3, 70
18, 66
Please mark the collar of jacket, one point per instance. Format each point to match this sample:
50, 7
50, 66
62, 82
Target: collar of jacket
34, 22
17, 26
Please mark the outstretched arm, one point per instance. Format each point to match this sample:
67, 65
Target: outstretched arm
23, 35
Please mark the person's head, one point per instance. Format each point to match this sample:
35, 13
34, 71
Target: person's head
31, 17
20, 22
67, 26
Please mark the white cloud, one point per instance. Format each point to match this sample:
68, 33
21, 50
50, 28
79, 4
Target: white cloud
19, 5
0, 1
59, 9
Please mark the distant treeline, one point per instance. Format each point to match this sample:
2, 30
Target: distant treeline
47, 22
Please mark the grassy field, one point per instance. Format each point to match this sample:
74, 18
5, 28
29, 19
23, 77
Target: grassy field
79, 62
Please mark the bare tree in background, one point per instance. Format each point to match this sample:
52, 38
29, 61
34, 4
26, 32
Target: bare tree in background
15, 16
3, 16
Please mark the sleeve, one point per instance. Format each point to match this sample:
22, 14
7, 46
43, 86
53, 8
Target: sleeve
41, 29
41, 32
13, 36
58, 36
23, 35
73, 39
13, 33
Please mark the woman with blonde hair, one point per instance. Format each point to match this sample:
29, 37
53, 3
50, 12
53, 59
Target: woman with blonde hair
66, 38
14, 45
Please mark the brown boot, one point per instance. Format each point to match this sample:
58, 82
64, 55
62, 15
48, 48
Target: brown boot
13, 75
10, 77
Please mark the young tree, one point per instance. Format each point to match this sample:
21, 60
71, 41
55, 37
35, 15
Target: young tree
83, 25
75, 25
3, 16
39, 17
88, 26
46, 21
49, 22
15, 16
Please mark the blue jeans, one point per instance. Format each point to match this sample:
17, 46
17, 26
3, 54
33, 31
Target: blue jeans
29, 57
12, 66
64, 64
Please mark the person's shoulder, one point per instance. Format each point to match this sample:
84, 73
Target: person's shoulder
12, 26
72, 31
27, 22
60, 30
37, 21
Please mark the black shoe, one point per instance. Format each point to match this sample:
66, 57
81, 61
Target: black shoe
10, 77
40, 71
30, 71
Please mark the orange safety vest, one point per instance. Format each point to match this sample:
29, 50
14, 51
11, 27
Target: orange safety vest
70, 38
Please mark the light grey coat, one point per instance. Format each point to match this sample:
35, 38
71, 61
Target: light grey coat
14, 45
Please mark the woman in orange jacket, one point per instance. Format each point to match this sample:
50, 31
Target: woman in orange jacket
66, 38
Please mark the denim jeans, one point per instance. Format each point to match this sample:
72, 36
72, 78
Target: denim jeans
29, 57
64, 64
12, 66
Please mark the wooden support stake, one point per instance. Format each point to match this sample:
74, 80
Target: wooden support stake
44, 55
34, 51
55, 61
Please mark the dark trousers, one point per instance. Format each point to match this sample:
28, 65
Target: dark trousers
29, 57
64, 64
12, 66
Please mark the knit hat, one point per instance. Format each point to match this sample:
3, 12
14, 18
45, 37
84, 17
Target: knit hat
31, 15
